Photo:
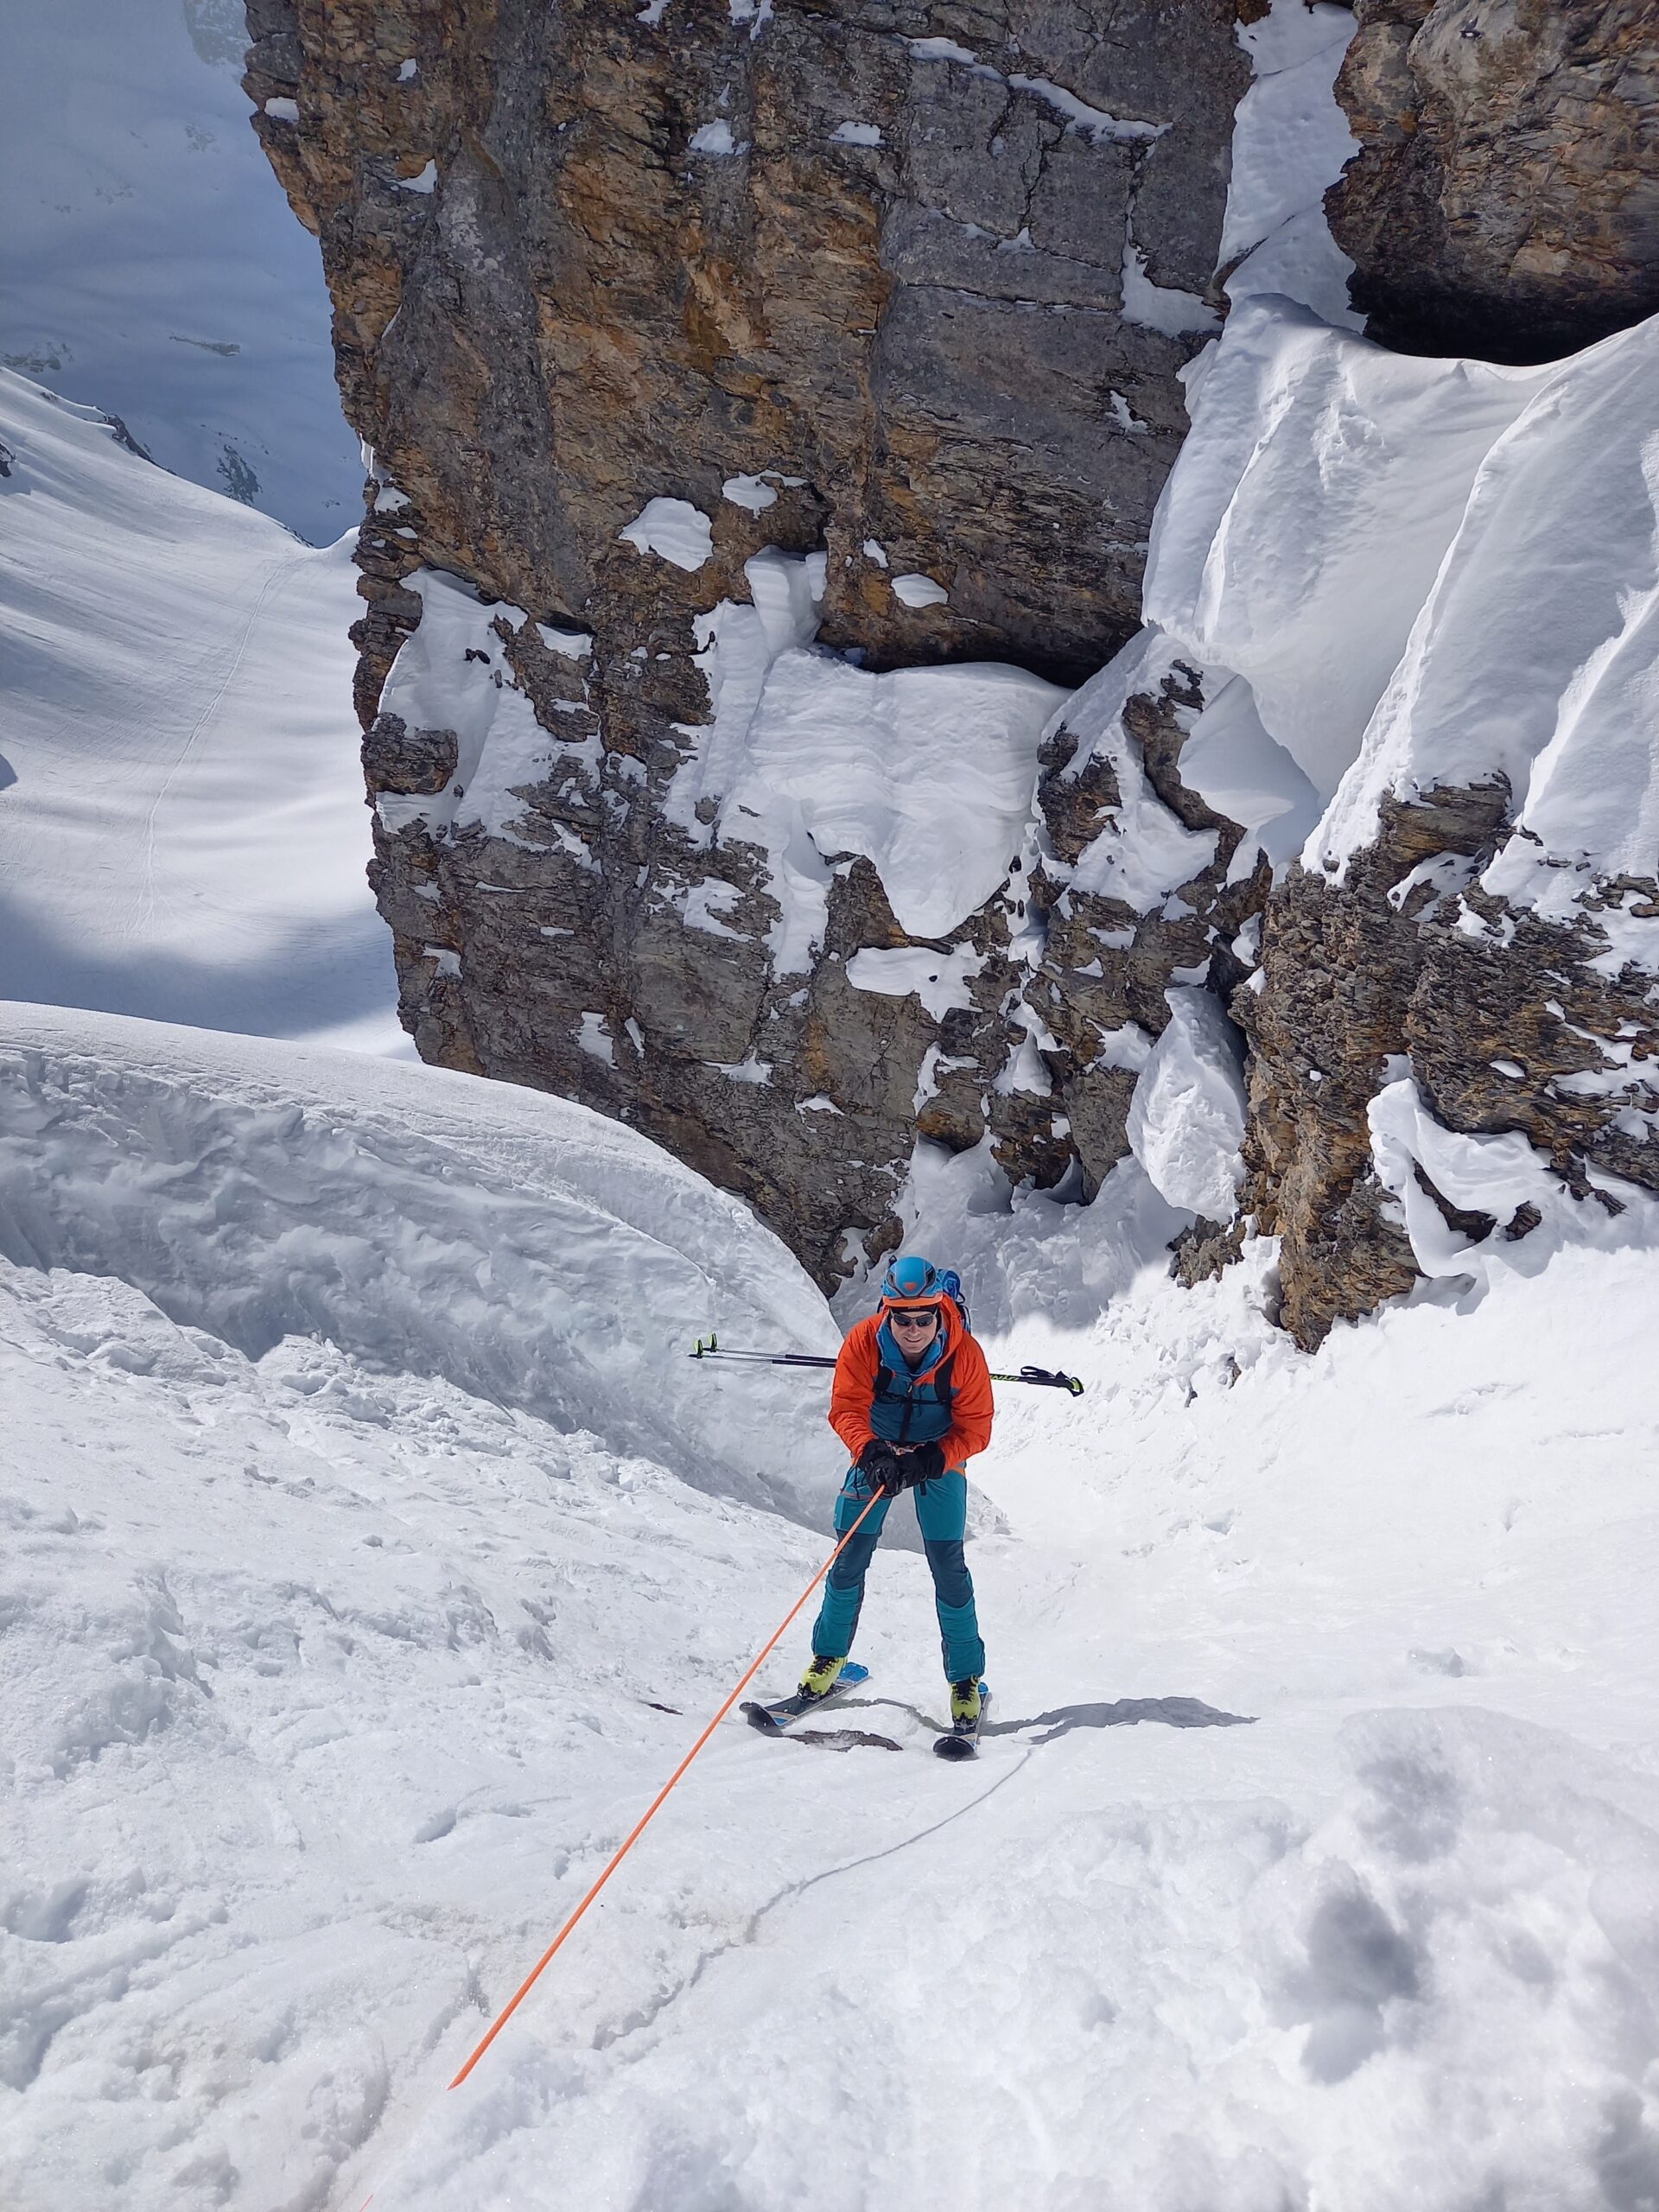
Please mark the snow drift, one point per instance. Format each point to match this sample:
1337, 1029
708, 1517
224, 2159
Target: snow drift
1482, 542
521, 1247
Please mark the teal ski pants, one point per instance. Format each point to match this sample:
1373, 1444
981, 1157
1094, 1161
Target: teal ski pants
942, 1515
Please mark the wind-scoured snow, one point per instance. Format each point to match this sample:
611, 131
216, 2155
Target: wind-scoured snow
1313, 1852
1305, 522
149, 262
182, 832
1432, 573
1535, 656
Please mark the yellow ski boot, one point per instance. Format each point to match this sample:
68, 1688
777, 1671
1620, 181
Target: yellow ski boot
820, 1677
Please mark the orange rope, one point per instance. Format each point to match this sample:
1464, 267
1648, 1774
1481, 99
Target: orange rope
531, 1978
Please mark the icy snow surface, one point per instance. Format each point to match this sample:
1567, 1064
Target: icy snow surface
1312, 1854
1186, 1118
149, 262
182, 832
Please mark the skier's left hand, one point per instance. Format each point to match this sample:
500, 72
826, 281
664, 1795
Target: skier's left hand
923, 1462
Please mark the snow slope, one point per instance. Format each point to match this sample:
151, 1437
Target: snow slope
1312, 1859
182, 832
149, 262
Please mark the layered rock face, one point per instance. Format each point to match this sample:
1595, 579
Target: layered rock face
1504, 1021
681, 335
1505, 202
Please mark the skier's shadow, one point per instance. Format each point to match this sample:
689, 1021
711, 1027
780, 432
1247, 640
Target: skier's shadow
1127, 1713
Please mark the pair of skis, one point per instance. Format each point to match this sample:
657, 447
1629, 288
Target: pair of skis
961, 1741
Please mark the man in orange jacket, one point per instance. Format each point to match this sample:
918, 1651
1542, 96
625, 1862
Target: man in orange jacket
912, 1402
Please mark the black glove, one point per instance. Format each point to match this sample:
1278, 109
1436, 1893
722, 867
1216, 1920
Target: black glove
879, 1464
927, 1461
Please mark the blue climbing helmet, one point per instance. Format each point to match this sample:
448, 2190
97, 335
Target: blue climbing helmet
914, 1281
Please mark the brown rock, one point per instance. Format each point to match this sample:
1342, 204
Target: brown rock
898, 300
1495, 1025
1505, 200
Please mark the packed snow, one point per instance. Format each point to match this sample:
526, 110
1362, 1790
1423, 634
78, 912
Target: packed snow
376, 1553
1291, 140
927, 772
940, 980
452, 673
182, 832
673, 529
149, 262
715, 138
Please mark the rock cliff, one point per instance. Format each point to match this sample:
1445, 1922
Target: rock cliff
1505, 200
889, 301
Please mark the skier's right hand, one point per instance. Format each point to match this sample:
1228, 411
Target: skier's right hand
879, 1464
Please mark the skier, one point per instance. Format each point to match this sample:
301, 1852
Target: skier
912, 1402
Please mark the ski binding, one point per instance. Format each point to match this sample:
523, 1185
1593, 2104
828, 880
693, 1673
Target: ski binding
774, 1720
963, 1740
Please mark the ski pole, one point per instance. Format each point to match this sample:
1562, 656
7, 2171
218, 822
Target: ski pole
645, 1818
711, 1348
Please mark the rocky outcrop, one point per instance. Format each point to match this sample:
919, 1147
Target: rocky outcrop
1505, 200
1137, 889
1506, 1020
890, 299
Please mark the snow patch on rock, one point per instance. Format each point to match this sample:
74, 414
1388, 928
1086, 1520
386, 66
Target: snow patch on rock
1186, 1118
673, 531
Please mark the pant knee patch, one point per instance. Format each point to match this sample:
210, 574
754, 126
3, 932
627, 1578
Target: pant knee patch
952, 1584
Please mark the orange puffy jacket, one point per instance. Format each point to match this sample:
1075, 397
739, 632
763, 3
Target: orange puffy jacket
852, 1393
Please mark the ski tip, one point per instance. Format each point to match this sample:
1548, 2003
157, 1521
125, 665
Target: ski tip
758, 1716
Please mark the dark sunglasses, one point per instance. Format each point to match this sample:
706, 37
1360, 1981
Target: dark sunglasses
912, 1317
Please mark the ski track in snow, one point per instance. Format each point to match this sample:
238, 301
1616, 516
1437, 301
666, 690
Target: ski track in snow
1312, 1856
